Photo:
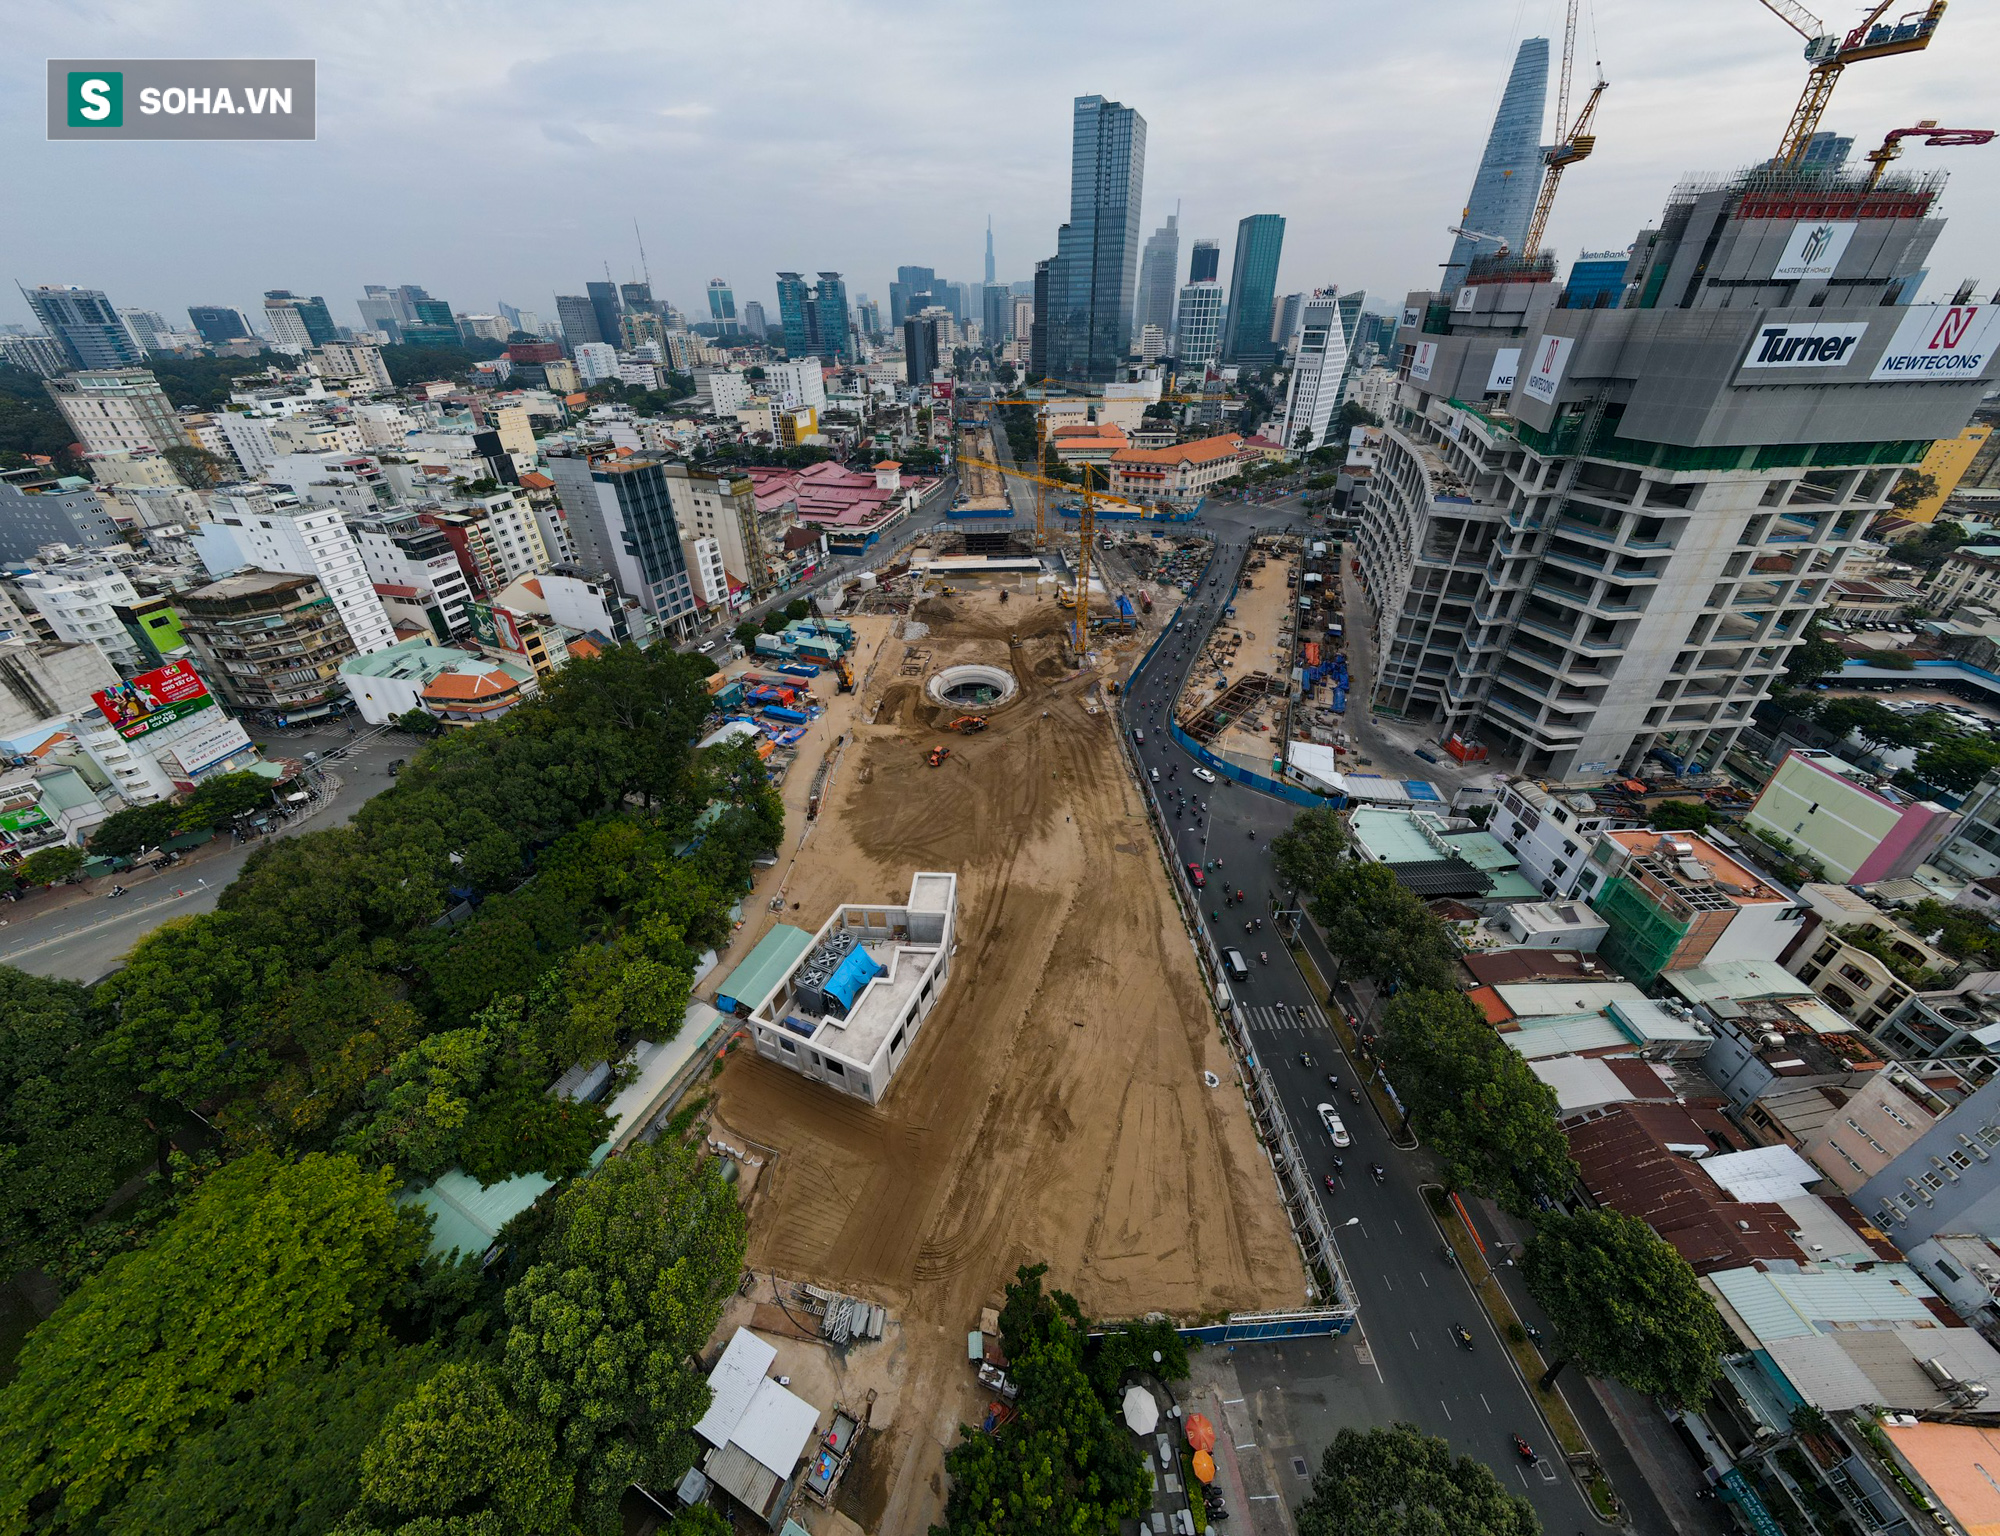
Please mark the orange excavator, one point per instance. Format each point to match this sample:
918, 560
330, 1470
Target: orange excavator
965, 725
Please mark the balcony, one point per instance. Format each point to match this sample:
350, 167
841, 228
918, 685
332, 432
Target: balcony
1578, 560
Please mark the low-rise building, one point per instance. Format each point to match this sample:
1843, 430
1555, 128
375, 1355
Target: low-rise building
270, 642
1179, 475
1857, 957
1551, 831
478, 689
1675, 900
1858, 826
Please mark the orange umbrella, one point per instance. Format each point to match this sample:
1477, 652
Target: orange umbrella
1204, 1466
1200, 1433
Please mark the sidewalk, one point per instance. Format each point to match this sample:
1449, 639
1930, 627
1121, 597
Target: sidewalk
1243, 1469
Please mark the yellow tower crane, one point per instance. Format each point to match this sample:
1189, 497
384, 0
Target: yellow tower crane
1574, 140
1830, 52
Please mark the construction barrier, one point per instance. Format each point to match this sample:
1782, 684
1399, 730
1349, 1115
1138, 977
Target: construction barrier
1243, 1327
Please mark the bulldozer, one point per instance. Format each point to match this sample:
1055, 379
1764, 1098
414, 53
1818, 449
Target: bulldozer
965, 725
938, 755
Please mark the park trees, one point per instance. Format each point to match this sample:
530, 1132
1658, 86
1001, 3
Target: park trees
1399, 1481
1310, 852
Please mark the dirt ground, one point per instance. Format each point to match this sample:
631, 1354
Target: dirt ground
1264, 613
1053, 1109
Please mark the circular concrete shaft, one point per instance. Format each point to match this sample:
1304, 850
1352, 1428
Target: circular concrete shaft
972, 687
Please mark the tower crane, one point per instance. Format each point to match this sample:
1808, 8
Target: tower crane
1933, 136
1574, 140
1830, 52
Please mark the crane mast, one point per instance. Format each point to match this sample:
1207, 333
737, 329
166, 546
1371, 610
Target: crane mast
1574, 140
1830, 53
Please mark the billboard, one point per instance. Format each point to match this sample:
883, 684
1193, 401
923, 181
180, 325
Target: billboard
1506, 364
1814, 251
24, 818
1421, 360
153, 699
495, 626
1941, 341
1545, 378
1823, 344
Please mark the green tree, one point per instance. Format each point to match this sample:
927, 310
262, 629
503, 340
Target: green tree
418, 722
745, 634
629, 1285
1354, 414
774, 621
218, 801
197, 467
1625, 1304
1374, 925
1874, 723
1957, 763
1310, 853
1814, 657
1399, 1481
1489, 1119
52, 866
798, 608
1061, 1463
1680, 816
454, 1459
1960, 932
68, 1137
270, 1265
285, 1463
1912, 490
124, 833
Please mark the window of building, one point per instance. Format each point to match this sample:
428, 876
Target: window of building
835, 1067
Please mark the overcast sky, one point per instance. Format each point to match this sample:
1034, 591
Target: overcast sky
501, 150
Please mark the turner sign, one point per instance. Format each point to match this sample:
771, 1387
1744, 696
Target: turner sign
1941, 341
1824, 344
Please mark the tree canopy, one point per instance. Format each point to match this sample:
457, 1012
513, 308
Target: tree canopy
1310, 852
1625, 1304
1399, 1481
1374, 925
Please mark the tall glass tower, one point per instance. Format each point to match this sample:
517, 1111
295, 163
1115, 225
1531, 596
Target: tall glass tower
1253, 283
1097, 252
1157, 271
1510, 172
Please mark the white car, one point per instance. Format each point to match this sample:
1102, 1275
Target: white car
1334, 1128
1204, 775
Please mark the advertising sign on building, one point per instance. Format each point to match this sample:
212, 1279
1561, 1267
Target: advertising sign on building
1941, 341
1467, 297
24, 818
1545, 378
203, 746
1411, 317
1420, 363
496, 627
1822, 344
1814, 251
1506, 363
153, 699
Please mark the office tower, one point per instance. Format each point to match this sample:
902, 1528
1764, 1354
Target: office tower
1152, 343
1205, 262
638, 297
149, 329
43, 356
755, 323
832, 333
1614, 566
381, 311
957, 297
1349, 305
511, 315
1315, 389
115, 410
28, 520
298, 323
868, 316
1198, 326
989, 250
1158, 268
1021, 320
578, 318
1092, 283
1253, 280
84, 323
1038, 332
432, 324
604, 304
1596, 280
793, 294
910, 281
596, 362
796, 386
1285, 325
722, 306
621, 520
996, 313
219, 324
920, 350
1509, 179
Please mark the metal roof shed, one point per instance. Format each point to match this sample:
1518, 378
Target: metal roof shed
750, 985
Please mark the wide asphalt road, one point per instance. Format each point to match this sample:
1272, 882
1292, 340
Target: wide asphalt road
1403, 1363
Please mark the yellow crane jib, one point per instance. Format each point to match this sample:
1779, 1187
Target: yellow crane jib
1830, 53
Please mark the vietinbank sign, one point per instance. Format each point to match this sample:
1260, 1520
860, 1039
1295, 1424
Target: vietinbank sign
1941, 341
182, 99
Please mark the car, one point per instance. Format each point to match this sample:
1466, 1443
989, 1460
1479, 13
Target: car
1140, 736
1156, 775
1331, 1120
1429, 757
1204, 775
1195, 874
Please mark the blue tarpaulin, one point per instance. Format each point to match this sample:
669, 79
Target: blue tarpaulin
852, 974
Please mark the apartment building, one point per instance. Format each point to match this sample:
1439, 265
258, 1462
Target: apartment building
117, 409
1597, 534
1857, 825
416, 572
250, 525
78, 599
621, 516
1673, 901
1551, 832
1863, 963
721, 505
270, 642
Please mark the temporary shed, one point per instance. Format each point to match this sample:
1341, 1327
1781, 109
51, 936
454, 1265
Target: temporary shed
750, 985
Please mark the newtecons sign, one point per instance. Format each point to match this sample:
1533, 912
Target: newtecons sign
182, 99
153, 699
1941, 341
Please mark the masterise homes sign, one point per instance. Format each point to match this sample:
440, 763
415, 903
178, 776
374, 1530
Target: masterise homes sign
182, 99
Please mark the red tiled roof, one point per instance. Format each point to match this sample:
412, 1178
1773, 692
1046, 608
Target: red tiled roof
392, 589
585, 647
477, 685
534, 480
1203, 450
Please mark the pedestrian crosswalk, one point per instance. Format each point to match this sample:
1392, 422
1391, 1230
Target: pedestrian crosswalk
1274, 1020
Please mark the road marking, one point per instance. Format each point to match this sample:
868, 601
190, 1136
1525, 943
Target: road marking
1484, 1404
1445, 1406
1425, 1278
1387, 1284
1245, 1445
1228, 1400
1413, 1342
1399, 1226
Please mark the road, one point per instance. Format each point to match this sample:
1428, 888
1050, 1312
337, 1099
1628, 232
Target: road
1403, 1364
88, 940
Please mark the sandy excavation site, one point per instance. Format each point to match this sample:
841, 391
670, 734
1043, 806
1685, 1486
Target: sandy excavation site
1053, 1109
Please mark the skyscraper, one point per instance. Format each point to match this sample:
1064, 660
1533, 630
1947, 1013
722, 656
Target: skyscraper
298, 322
754, 322
1097, 252
1205, 262
1038, 332
218, 323
832, 336
604, 301
909, 284
148, 328
1316, 381
920, 350
578, 318
84, 323
1198, 326
1158, 268
1253, 281
722, 304
1510, 172
793, 292
1285, 324
638, 298
868, 316
989, 250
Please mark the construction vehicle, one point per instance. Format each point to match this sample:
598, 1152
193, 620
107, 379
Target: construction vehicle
1933, 136
965, 725
1830, 53
846, 675
938, 755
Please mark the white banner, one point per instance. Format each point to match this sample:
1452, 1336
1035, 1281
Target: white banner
1420, 365
1822, 344
1551, 357
1814, 251
1506, 363
1467, 297
1941, 341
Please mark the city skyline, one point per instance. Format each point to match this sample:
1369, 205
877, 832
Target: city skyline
911, 174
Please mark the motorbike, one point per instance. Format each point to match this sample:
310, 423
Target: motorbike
1451, 1258
1464, 1339
1253, 834
117, 890
1329, 1184
1263, 958
1377, 1172
1525, 1451
1354, 1095
1332, 1081
1339, 1166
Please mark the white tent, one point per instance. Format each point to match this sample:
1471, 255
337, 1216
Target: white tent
1142, 1413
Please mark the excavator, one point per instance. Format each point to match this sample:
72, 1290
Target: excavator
965, 725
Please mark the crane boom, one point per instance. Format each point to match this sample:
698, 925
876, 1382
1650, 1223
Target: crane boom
1574, 140
1932, 135
1830, 54
1798, 18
